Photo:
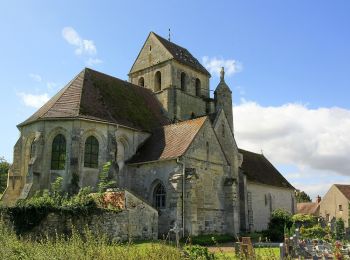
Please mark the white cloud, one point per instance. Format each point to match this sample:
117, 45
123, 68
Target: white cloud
314, 140
93, 61
214, 65
35, 77
83, 46
35, 101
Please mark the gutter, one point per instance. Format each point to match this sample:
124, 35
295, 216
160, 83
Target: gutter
183, 195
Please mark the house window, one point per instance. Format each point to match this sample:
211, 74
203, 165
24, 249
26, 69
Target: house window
141, 82
183, 81
340, 207
158, 81
198, 88
91, 152
58, 156
159, 196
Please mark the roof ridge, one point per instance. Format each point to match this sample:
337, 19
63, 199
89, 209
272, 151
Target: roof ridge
185, 121
162, 38
252, 152
51, 102
125, 81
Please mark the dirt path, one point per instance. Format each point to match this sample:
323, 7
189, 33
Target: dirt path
226, 248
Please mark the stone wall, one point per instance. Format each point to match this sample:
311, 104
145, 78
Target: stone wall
135, 221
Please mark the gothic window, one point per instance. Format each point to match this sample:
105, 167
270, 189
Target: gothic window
141, 82
198, 88
58, 156
159, 196
91, 152
157, 81
32, 150
183, 81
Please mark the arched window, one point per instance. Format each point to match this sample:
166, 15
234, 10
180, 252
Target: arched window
91, 152
157, 81
198, 88
159, 195
141, 82
32, 150
58, 156
183, 81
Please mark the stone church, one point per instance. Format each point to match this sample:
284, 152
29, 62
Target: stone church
169, 141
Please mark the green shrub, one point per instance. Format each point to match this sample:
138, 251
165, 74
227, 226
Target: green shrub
198, 252
304, 220
280, 221
83, 202
339, 229
314, 232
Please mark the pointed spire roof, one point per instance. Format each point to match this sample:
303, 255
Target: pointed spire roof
97, 96
181, 54
222, 86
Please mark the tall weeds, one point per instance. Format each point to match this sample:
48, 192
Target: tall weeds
84, 247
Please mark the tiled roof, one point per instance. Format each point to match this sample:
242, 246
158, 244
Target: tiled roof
258, 169
182, 55
345, 189
94, 95
309, 208
170, 141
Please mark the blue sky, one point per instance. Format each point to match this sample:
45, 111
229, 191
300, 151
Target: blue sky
289, 64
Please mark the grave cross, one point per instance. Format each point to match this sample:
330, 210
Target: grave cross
176, 230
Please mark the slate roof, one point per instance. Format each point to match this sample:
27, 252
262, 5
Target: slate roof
182, 55
94, 95
345, 189
169, 141
258, 169
309, 208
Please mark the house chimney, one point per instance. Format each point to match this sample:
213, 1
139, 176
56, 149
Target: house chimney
318, 199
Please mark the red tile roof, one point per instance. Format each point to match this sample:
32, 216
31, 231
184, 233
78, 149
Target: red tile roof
345, 189
170, 141
309, 208
94, 95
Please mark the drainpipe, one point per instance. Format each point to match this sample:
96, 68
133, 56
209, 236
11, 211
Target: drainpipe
183, 195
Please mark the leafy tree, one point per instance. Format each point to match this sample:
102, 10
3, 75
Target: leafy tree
4, 167
301, 196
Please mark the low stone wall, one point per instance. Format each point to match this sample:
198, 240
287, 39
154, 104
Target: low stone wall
135, 221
